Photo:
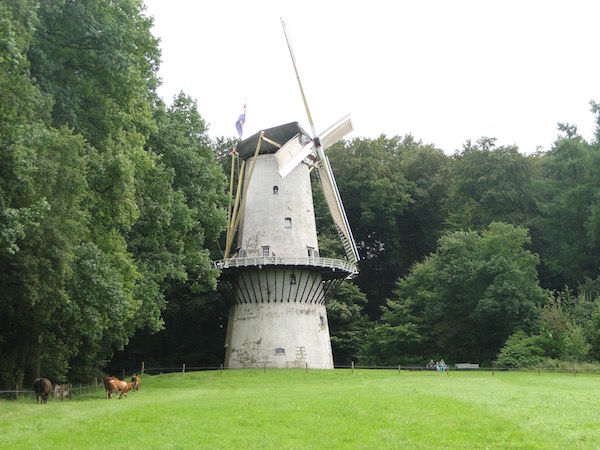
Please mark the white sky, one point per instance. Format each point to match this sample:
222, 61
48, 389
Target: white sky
443, 71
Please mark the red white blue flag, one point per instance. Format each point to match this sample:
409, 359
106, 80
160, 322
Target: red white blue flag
239, 125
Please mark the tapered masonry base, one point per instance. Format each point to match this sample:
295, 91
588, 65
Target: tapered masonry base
279, 335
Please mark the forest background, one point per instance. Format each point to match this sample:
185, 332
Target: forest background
113, 205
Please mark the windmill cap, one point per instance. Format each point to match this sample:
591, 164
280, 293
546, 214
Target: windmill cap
280, 134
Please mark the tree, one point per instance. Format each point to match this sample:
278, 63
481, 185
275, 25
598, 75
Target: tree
43, 215
488, 184
347, 323
567, 327
392, 190
566, 231
520, 350
183, 145
465, 299
181, 219
97, 222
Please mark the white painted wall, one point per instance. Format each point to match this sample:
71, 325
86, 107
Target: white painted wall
263, 220
280, 335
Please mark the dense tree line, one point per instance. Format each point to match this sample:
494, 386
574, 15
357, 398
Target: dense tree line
467, 256
108, 197
112, 205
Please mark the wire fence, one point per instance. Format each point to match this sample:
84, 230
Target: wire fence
491, 369
67, 391
59, 391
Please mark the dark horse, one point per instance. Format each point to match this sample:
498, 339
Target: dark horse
42, 388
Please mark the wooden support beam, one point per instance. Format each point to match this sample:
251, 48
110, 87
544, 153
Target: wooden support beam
247, 182
230, 231
273, 143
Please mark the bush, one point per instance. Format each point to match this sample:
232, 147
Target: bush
576, 346
561, 365
520, 351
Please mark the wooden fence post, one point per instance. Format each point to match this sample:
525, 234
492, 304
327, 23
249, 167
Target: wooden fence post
17, 392
492, 369
95, 383
265, 367
142, 367
221, 369
183, 368
306, 367
352, 365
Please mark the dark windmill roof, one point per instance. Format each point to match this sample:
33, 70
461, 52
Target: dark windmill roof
280, 134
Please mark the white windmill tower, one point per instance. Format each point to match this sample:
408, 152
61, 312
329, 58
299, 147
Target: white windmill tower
277, 280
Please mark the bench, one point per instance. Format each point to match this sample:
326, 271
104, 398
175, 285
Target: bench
466, 366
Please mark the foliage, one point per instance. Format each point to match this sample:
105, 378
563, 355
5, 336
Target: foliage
99, 216
392, 189
172, 240
520, 351
347, 323
489, 184
567, 229
112, 207
576, 346
468, 296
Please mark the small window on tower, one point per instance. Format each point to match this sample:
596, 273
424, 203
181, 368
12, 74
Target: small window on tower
292, 279
288, 222
275, 190
265, 250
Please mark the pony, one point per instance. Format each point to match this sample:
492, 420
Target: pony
135, 381
113, 384
42, 388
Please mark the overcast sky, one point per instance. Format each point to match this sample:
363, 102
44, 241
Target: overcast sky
443, 71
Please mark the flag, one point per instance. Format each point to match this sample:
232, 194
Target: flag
239, 125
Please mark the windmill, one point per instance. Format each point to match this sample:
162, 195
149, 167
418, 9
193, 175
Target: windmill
275, 275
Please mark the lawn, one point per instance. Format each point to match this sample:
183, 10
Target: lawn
321, 409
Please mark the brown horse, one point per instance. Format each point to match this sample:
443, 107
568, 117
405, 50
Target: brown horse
135, 381
124, 387
42, 388
113, 384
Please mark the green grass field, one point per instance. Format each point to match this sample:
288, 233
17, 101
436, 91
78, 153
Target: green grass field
321, 409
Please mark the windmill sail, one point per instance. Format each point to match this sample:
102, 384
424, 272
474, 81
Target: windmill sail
292, 156
336, 208
336, 132
292, 153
